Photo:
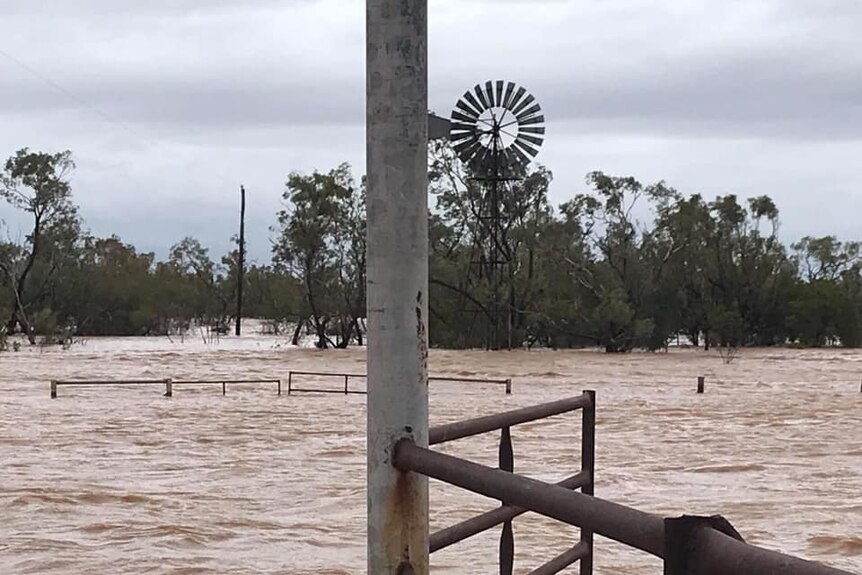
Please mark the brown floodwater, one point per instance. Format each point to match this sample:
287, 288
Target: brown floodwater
123, 480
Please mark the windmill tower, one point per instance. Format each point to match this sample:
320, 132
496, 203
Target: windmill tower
496, 129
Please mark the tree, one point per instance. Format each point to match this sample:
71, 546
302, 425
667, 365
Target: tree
191, 262
36, 183
628, 266
320, 233
462, 275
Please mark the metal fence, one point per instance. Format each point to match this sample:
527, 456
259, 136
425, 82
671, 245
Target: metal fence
347, 377
167, 383
688, 545
583, 480
344, 389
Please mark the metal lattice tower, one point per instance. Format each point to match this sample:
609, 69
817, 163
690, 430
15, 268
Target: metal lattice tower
496, 130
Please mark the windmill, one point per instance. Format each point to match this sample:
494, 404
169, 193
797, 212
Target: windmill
496, 129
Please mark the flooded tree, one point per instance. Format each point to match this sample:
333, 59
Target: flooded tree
321, 242
36, 183
622, 265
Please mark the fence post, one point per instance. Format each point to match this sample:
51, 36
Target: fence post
345, 383
279, 386
289, 381
169, 387
507, 537
53, 389
588, 465
397, 276
509, 386
700, 383
224, 388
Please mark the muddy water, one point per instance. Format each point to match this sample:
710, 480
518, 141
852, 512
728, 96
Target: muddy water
127, 481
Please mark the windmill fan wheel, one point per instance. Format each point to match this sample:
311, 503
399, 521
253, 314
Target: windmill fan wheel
498, 123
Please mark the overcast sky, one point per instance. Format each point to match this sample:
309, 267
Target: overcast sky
169, 105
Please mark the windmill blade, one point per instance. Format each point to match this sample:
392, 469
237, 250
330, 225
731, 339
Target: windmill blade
489, 92
533, 120
531, 139
467, 127
474, 102
517, 145
531, 111
461, 105
522, 157
456, 115
531, 130
517, 98
524, 103
470, 140
507, 99
481, 95
499, 94
512, 142
467, 150
458, 136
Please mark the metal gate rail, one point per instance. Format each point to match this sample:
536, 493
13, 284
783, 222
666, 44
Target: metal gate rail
688, 545
510, 509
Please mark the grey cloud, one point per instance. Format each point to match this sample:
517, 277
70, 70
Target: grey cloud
175, 103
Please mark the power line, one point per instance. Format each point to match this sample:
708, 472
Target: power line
80, 101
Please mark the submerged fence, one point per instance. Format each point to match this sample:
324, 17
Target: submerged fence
345, 379
167, 383
344, 389
688, 545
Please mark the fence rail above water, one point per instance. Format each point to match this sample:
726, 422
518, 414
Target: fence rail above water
688, 545
169, 383
347, 377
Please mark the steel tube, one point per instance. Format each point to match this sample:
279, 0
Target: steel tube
580, 551
461, 429
588, 467
397, 280
468, 380
719, 554
475, 525
115, 382
221, 381
328, 374
618, 522
329, 391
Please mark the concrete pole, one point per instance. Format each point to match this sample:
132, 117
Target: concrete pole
397, 205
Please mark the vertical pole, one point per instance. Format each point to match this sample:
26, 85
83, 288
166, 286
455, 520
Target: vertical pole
223, 388
701, 380
240, 265
289, 382
507, 537
397, 206
509, 386
345, 384
588, 465
53, 389
169, 388
279, 387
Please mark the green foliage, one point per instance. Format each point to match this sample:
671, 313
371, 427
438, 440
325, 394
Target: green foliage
623, 266
322, 244
36, 183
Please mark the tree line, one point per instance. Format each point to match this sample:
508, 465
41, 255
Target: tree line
623, 266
